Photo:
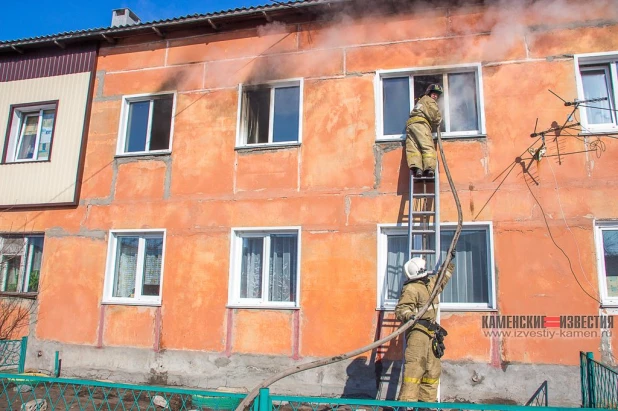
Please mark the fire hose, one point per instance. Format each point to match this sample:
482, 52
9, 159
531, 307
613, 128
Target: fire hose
244, 404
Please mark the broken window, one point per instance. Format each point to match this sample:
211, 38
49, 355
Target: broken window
135, 267
473, 287
460, 104
270, 114
265, 268
598, 83
607, 261
20, 263
30, 132
148, 124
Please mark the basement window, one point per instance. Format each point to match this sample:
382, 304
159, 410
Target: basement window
134, 272
265, 267
31, 130
270, 114
606, 236
597, 80
461, 104
472, 284
20, 262
147, 124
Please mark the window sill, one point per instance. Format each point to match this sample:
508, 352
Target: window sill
29, 296
266, 147
147, 154
444, 137
261, 307
133, 303
449, 309
25, 162
601, 132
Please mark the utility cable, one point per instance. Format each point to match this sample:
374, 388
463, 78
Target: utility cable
246, 402
556, 244
579, 257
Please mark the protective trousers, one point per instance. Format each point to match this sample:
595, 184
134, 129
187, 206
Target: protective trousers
422, 370
420, 151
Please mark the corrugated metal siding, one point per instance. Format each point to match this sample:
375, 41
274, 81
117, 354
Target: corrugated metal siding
47, 63
54, 181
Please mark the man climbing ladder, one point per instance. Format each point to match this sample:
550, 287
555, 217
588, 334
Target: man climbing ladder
425, 115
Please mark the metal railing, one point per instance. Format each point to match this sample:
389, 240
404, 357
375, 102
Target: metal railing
25, 392
269, 402
599, 383
13, 354
539, 398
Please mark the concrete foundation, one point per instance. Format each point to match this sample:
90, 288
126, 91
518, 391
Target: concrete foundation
360, 378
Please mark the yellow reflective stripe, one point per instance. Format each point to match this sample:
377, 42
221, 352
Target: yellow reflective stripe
412, 380
429, 155
430, 380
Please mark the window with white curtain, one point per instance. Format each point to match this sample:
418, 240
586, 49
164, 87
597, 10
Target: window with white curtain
135, 267
597, 81
472, 284
606, 236
264, 269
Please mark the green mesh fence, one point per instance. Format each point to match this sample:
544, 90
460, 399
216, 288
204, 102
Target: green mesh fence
599, 383
12, 355
29, 393
539, 398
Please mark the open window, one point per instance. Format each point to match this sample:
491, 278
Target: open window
31, 132
461, 104
147, 124
270, 114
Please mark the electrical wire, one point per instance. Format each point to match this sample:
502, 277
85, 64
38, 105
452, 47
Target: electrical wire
556, 244
579, 257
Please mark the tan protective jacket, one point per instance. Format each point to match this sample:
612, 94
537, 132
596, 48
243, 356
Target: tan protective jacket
415, 294
426, 111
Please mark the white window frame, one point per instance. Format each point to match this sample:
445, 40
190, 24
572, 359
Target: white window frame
25, 265
112, 249
241, 137
18, 118
237, 234
599, 227
601, 59
384, 230
444, 70
124, 118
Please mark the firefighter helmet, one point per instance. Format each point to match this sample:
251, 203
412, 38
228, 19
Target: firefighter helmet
415, 269
434, 88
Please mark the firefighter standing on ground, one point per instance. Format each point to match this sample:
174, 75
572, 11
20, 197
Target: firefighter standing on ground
425, 115
422, 365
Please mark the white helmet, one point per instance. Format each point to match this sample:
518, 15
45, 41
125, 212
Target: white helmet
415, 269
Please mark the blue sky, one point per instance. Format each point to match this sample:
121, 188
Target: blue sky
20, 19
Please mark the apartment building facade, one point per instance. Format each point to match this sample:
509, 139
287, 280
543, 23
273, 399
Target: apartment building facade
243, 198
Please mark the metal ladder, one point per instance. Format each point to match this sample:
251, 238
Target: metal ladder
424, 220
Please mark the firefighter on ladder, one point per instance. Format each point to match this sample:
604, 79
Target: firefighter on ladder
420, 152
425, 341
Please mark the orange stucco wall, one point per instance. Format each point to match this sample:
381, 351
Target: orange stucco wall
337, 185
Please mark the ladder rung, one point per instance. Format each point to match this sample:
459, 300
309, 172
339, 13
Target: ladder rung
424, 178
422, 251
423, 231
423, 212
420, 195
